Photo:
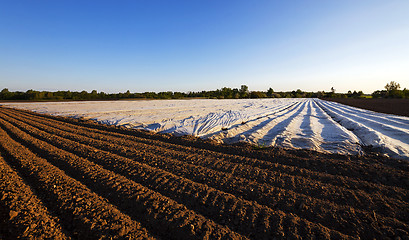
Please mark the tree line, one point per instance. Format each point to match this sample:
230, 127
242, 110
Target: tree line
392, 91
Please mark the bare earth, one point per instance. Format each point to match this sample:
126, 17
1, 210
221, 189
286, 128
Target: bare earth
65, 178
390, 106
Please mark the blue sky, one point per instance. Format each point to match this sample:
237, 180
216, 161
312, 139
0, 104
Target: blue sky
199, 45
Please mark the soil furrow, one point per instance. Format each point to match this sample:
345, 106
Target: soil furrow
82, 212
358, 199
22, 214
368, 168
260, 170
261, 218
304, 205
164, 216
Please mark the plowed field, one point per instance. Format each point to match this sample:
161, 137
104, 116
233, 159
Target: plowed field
66, 178
389, 105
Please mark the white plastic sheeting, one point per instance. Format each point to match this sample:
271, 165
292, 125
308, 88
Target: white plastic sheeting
290, 123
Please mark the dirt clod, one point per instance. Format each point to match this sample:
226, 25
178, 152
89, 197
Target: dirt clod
13, 214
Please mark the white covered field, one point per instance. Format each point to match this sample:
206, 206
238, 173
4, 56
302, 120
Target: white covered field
291, 123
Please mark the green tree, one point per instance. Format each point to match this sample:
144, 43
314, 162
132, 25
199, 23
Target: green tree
270, 92
5, 93
298, 94
227, 92
392, 86
244, 91
94, 94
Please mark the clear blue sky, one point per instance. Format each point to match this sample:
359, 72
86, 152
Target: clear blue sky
149, 45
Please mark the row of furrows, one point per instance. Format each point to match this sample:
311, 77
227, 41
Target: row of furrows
81, 212
162, 215
22, 213
386, 172
185, 190
260, 170
312, 209
247, 217
356, 198
206, 158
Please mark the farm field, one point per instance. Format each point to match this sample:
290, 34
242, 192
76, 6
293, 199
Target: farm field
74, 178
383, 105
313, 124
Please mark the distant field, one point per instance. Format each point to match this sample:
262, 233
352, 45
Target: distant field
390, 106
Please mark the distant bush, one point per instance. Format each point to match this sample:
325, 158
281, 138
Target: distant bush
258, 94
392, 91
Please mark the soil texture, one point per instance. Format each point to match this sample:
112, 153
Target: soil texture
389, 105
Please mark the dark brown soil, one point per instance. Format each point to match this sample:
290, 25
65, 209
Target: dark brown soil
67, 178
382, 105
